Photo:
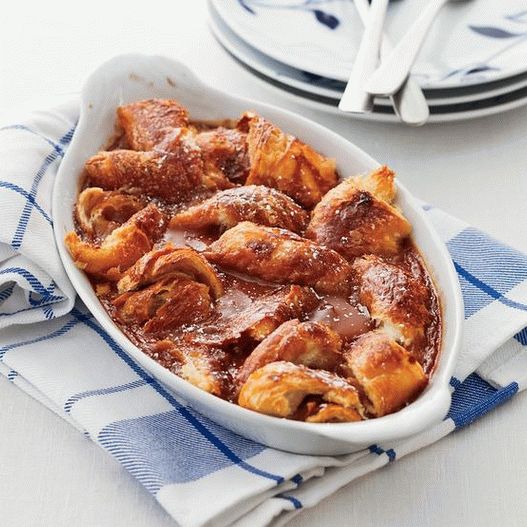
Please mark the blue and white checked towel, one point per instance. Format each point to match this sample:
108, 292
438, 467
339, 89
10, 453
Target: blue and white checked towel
52, 348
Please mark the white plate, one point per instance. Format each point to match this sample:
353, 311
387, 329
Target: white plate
129, 78
471, 42
385, 114
333, 89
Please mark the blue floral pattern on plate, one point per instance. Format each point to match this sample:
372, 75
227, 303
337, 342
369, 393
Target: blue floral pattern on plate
327, 19
446, 104
324, 58
495, 32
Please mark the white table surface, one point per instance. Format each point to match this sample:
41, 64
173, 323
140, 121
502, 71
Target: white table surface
51, 475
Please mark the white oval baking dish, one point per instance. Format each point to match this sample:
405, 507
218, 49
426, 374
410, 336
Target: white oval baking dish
129, 78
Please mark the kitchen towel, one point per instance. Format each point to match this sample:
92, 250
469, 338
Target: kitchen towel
53, 348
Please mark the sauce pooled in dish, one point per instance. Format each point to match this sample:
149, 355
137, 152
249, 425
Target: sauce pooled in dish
237, 257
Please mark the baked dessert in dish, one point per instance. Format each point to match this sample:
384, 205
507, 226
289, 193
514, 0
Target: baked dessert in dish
237, 257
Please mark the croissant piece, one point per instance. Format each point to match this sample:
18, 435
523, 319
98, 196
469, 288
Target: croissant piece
261, 316
198, 365
167, 261
255, 203
147, 123
280, 256
168, 175
166, 304
284, 162
356, 217
397, 301
388, 374
379, 183
122, 248
224, 151
215, 180
280, 387
99, 212
199, 370
269, 312
312, 344
334, 413
280, 287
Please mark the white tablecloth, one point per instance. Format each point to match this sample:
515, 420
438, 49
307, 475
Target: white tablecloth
51, 475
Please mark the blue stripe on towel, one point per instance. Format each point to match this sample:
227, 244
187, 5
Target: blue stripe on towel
35, 283
374, 449
7, 292
390, 453
455, 383
487, 289
28, 196
45, 302
295, 501
214, 434
521, 337
18, 237
155, 451
57, 333
298, 479
498, 266
48, 312
474, 397
487, 269
68, 405
474, 298
56, 146
23, 310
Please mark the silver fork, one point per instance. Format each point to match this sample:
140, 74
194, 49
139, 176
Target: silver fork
355, 98
393, 71
409, 102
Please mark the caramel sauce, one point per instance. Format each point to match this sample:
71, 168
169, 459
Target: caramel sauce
348, 319
182, 238
345, 315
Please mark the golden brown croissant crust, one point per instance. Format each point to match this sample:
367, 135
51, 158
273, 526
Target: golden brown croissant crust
389, 376
357, 217
281, 161
120, 249
398, 301
234, 255
166, 175
279, 388
224, 150
168, 261
147, 123
309, 343
255, 203
167, 303
278, 255
100, 212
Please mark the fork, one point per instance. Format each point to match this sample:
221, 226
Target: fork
393, 71
355, 98
409, 102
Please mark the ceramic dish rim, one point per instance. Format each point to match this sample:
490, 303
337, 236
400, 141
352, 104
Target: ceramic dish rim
435, 398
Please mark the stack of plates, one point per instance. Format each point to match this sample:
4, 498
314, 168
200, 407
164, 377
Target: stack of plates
474, 61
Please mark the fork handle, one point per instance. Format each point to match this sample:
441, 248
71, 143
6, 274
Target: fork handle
392, 72
355, 98
409, 102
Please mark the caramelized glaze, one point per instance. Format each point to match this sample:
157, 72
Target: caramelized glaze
337, 321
